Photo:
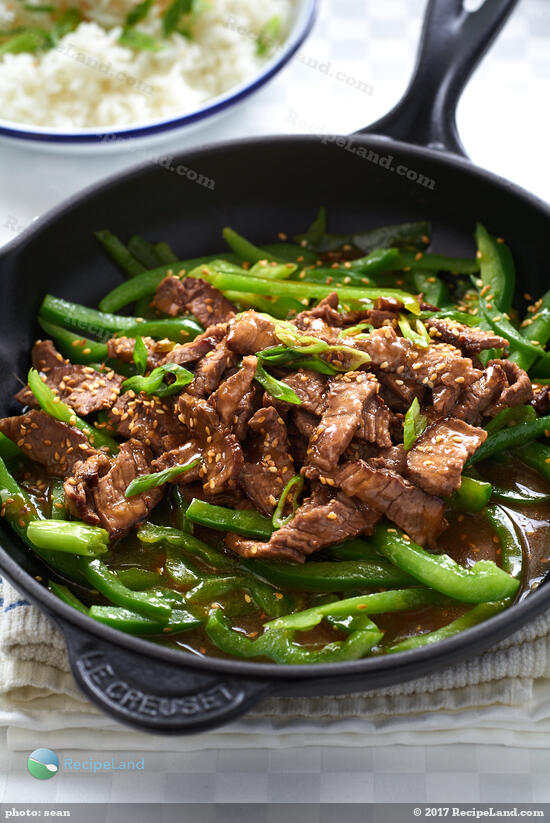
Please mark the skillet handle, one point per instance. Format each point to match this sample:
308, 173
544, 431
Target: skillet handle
152, 695
452, 43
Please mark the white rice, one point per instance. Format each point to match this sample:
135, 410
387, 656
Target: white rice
90, 80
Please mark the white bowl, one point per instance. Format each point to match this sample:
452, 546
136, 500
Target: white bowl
96, 139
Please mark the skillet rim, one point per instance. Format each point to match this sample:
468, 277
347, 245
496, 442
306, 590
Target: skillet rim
411, 663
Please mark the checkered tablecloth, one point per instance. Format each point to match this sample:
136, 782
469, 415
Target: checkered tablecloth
369, 46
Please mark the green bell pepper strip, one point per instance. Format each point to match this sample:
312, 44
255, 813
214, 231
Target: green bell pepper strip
101, 324
145, 252
108, 584
133, 623
497, 270
472, 496
138, 579
482, 583
399, 600
247, 522
316, 231
152, 481
178, 329
451, 314
501, 326
276, 388
279, 307
333, 277
20, 511
67, 596
68, 536
179, 568
516, 498
536, 456
140, 355
436, 262
118, 252
511, 417
378, 260
267, 271
268, 600
154, 383
354, 549
8, 448
180, 511
327, 576
510, 438
245, 250
403, 235
537, 328
165, 253
478, 614
279, 645
294, 485
290, 288
511, 559
52, 405
73, 346
150, 534
290, 252
433, 289
58, 510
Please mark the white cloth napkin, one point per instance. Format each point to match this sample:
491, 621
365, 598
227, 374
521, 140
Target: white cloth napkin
500, 697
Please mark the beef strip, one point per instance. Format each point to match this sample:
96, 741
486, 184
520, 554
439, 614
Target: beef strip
250, 333
174, 296
322, 317
209, 370
269, 464
221, 451
147, 418
481, 395
470, 339
518, 390
179, 456
235, 398
398, 393
82, 388
305, 422
375, 423
420, 515
122, 348
343, 418
183, 354
309, 386
245, 547
95, 492
322, 520
541, 398
437, 459
55, 445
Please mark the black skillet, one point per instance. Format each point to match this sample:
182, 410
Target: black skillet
410, 165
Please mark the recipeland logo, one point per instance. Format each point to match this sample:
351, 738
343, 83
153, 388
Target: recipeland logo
44, 763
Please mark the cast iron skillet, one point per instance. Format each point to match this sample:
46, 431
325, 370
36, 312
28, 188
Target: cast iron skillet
410, 165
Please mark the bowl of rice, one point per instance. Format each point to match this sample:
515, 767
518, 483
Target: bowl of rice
99, 73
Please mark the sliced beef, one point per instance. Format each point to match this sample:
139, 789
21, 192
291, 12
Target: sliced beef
179, 456
347, 399
82, 388
322, 318
481, 395
235, 398
55, 445
441, 367
174, 296
518, 391
183, 354
209, 371
398, 393
269, 464
437, 459
325, 518
147, 418
251, 332
221, 451
541, 398
375, 423
245, 547
309, 386
394, 458
122, 348
470, 339
386, 350
95, 492
420, 515
305, 422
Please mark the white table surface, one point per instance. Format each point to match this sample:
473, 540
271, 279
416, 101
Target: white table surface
503, 119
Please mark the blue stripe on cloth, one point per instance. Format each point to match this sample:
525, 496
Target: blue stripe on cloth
16, 604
